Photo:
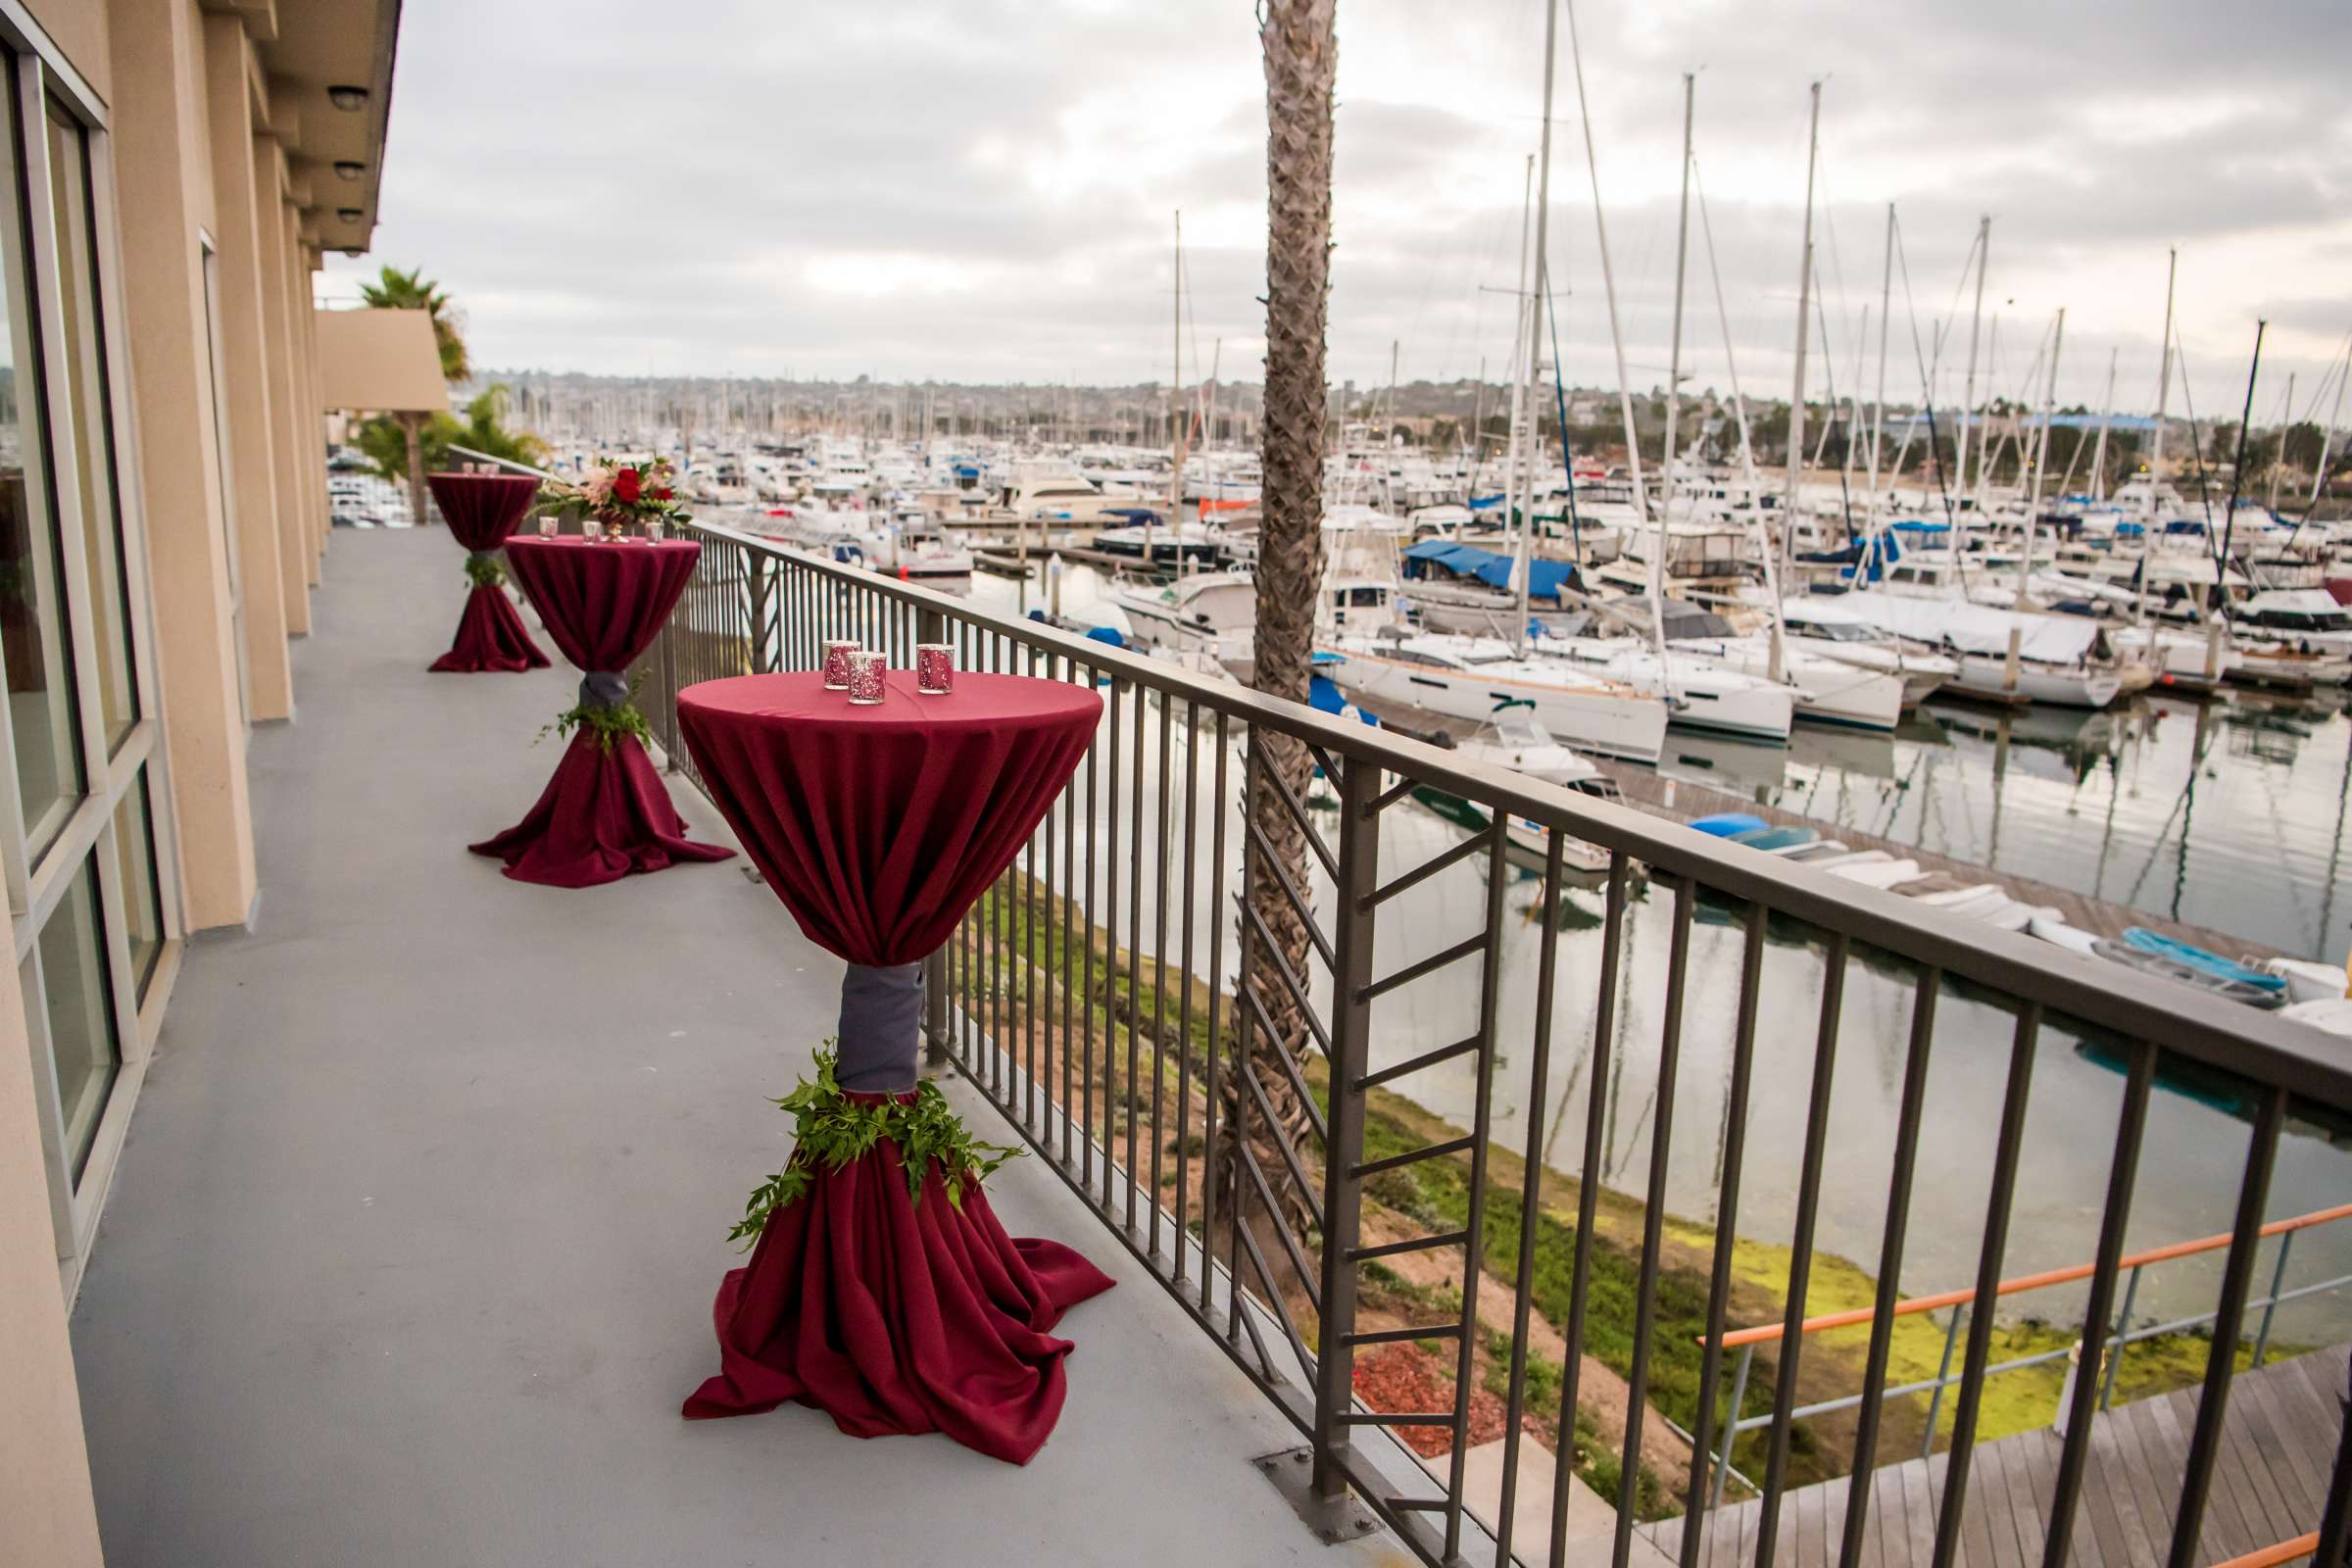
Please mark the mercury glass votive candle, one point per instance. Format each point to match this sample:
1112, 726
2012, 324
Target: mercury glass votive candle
548, 526
835, 664
934, 668
866, 672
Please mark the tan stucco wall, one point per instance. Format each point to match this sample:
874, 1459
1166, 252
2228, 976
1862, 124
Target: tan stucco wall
47, 1519
287, 432
78, 27
252, 434
382, 361
162, 170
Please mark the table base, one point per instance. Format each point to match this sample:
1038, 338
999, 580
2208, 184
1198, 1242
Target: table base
490, 637
897, 1317
603, 815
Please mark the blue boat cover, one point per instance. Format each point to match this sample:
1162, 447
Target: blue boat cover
1545, 578
1723, 824
2212, 963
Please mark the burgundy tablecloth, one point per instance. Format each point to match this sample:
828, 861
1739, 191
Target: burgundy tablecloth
606, 813
481, 511
879, 827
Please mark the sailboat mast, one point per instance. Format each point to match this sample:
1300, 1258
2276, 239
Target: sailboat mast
2041, 459
1804, 304
1968, 389
2164, 387
1609, 283
1878, 430
1175, 399
1513, 515
2319, 470
1674, 390
1534, 324
2098, 453
2288, 423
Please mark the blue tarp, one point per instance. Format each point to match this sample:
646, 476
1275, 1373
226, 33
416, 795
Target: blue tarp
1482, 503
1545, 578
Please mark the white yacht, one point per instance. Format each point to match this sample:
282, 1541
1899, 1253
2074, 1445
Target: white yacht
2060, 660
1212, 612
1482, 679
1829, 690
1815, 624
1698, 694
2299, 629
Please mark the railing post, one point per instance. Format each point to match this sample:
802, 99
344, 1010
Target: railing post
2121, 1337
669, 693
1944, 1375
2270, 1306
1731, 1426
756, 572
1343, 1147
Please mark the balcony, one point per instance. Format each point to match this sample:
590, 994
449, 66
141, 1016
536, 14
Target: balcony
411, 1255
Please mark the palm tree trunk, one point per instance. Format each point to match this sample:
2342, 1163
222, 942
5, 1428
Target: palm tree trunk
1301, 55
412, 426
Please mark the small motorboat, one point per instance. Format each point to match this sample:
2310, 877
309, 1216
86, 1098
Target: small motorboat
2055, 931
1811, 851
2148, 961
1769, 839
2142, 939
1884, 872
2331, 1014
2307, 981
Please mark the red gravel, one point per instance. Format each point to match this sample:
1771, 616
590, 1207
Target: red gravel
1404, 1377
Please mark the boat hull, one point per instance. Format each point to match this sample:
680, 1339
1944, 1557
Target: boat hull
1985, 676
1611, 722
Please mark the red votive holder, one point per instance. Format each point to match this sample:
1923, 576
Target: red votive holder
934, 668
867, 672
835, 664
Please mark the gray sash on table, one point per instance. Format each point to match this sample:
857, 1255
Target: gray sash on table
881, 1026
604, 688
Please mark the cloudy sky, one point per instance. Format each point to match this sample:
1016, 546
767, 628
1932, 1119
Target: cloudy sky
984, 190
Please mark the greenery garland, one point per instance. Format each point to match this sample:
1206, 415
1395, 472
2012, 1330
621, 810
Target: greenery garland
605, 726
831, 1129
485, 571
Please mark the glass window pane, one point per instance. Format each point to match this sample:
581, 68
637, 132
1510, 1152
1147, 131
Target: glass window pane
142, 909
84, 355
42, 717
81, 1014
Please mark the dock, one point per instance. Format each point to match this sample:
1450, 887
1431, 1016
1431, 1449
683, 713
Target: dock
2270, 1485
1682, 802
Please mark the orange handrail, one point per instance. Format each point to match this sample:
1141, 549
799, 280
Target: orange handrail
2273, 1556
2029, 1282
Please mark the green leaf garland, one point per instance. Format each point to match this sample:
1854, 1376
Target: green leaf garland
833, 1130
485, 571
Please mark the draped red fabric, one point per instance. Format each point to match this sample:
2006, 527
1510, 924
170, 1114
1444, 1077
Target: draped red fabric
879, 827
603, 815
895, 1317
605, 812
602, 603
481, 510
491, 636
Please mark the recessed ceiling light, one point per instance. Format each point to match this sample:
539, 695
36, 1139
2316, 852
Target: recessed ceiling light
347, 169
348, 99
354, 250
350, 215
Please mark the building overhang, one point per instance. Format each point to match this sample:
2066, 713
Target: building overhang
383, 361
323, 90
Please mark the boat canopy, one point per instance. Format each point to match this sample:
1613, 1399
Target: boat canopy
1973, 628
1545, 578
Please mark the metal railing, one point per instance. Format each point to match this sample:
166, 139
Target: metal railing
1202, 1042
2120, 1336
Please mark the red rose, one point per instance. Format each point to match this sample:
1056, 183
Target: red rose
663, 494
627, 485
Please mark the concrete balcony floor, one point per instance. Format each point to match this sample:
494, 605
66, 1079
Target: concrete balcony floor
411, 1255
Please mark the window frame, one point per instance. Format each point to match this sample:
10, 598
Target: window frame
37, 884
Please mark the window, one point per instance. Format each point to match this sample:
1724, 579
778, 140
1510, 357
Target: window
86, 856
79, 1016
84, 392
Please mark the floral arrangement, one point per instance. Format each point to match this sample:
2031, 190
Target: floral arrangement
631, 492
831, 1129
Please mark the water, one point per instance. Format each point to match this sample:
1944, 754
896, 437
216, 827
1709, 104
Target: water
2185, 810
2229, 814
